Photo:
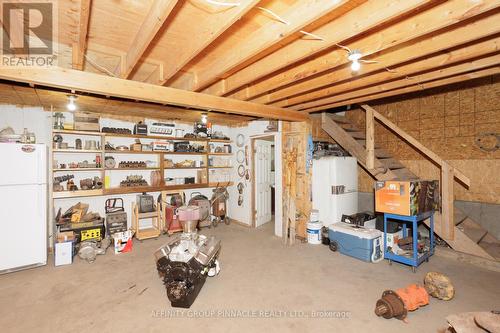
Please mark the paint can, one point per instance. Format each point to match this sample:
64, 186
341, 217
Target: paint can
314, 232
314, 217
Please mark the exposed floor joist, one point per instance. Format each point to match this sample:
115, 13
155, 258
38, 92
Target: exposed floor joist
116, 87
417, 87
345, 27
298, 16
158, 14
408, 76
447, 14
80, 47
388, 62
217, 24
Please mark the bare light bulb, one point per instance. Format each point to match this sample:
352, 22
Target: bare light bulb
71, 106
204, 118
355, 66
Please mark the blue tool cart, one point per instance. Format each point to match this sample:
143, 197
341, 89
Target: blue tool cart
417, 258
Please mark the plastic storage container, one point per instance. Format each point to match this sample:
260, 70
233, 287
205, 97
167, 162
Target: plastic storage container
356, 241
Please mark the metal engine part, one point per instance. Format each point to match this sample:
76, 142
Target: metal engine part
184, 263
396, 304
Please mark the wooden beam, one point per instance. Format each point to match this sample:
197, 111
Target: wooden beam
345, 89
370, 139
416, 144
110, 86
442, 16
374, 13
206, 33
300, 15
413, 88
447, 202
80, 48
156, 17
481, 63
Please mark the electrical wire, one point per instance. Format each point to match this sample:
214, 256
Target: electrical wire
282, 20
228, 4
99, 67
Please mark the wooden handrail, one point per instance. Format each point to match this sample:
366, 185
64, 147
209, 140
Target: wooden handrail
415, 143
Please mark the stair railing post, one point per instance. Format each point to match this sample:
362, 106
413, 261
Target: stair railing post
370, 139
447, 199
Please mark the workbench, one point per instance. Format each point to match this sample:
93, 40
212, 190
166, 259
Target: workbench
417, 258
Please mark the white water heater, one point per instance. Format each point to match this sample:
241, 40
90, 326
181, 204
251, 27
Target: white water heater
334, 188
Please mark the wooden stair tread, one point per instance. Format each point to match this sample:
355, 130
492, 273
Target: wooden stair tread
404, 174
349, 128
391, 163
363, 143
491, 245
339, 119
473, 230
382, 153
358, 135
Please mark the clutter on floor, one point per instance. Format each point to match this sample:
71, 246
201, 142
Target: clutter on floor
397, 303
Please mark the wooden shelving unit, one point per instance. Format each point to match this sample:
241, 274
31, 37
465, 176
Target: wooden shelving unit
76, 194
160, 155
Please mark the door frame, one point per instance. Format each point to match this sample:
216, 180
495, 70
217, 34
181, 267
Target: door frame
278, 188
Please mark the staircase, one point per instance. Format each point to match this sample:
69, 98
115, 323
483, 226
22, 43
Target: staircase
469, 236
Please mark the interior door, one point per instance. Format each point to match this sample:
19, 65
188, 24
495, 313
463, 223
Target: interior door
262, 169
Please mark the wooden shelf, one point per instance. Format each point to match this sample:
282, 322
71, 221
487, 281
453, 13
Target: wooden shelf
75, 194
138, 189
220, 184
220, 141
76, 151
221, 154
132, 152
185, 168
154, 137
77, 169
74, 132
132, 169
220, 167
184, 153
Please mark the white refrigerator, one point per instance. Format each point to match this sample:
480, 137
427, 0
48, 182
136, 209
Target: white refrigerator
23, 206
328, 172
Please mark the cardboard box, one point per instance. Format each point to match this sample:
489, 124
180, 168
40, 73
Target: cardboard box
407, 197
63, 253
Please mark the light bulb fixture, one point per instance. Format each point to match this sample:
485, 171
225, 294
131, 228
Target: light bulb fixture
71, 106
354, 56
355, 66
204, 118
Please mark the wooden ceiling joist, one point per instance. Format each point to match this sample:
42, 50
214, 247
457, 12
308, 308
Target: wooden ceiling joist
417, 87
469, 66
373, 13
80, 47
407, 72
210, 29
158, 14
115, 87
440, 17
299, 16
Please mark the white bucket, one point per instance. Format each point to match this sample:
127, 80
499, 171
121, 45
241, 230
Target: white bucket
314, 217
314, 232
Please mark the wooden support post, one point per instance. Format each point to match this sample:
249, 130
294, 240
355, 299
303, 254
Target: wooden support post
447, 221
370, 139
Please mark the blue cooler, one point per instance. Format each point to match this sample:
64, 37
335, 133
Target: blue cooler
357, 242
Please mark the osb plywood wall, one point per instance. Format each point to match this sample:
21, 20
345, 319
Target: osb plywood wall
446, 120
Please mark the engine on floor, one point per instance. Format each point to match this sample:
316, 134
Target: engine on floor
184, 263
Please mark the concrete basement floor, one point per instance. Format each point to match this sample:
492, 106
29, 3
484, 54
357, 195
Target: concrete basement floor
123, 293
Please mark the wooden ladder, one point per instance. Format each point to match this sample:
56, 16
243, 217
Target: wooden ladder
467, 235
